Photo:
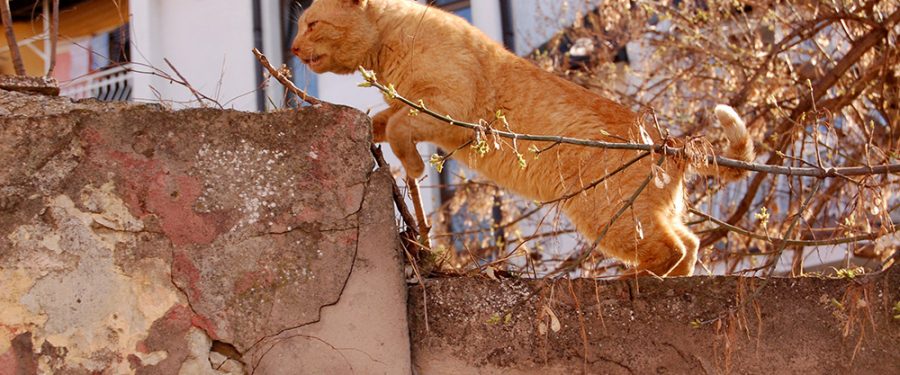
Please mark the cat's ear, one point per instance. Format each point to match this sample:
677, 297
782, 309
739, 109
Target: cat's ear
355, 3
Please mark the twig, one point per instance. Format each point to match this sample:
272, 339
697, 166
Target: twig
570, 263
284, 80
187, 84
836, 241
11, 38
54, 37
668, 150
600, 180
583, 331
412, 263
770, 267
397, 195
424, 228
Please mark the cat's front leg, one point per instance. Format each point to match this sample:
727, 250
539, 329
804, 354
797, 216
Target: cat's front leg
379, 124
403, 134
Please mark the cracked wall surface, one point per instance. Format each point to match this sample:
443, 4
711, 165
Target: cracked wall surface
139, 240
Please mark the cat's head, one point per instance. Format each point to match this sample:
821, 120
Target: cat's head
335, 36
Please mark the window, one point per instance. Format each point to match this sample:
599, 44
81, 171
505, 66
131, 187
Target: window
462, 8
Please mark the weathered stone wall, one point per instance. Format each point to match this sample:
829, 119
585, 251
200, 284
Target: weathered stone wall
139, 240
794, 326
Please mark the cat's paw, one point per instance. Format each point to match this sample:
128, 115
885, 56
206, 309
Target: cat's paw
414, 168
379, 125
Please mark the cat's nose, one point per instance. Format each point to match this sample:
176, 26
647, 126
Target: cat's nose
295, 50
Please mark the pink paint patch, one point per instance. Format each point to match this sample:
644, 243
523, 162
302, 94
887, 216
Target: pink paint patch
179, 313
141, 347
206, 325
149, 187
172, 199
183, 269
8, 362
92, 138
135, 172
19, 358
183, 317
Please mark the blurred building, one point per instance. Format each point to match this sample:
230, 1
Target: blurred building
93, 45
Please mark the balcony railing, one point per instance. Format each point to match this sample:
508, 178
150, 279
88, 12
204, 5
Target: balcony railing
113, 84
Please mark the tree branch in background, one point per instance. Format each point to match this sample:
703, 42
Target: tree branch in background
778, 241
860, 47
407, 218
11, 38
54, 36
200, 97
668, 150
424, 228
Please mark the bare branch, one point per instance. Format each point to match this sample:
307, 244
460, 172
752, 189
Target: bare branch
284, 80
668, 150
11, 37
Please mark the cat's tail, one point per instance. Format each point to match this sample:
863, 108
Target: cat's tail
740, 146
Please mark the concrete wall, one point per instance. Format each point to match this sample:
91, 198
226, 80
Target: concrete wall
699, 325
140, 240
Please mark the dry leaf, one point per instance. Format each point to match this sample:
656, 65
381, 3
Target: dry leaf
554, 321
645, 137
660, 177
490, 273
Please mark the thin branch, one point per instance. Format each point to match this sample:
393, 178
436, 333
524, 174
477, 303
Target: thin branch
600, 180
424, 228
672, 151
11, 38
397, 195
573, 262
54, 36
811, 243
284, 80
200, 97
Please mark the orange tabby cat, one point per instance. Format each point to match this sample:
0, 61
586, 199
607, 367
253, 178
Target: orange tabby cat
440, 58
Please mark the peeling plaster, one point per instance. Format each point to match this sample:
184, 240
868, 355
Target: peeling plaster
13, 315
200, 360
74, 296
190, 246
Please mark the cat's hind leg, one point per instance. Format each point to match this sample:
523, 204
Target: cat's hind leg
403, 136
691, 244
659, 251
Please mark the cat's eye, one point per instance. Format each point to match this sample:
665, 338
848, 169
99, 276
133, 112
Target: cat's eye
311, 25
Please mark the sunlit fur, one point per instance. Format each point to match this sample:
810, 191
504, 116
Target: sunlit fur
435, 56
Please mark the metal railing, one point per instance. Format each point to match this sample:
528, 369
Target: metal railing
113, 84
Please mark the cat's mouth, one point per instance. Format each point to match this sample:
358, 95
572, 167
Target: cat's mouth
313, 60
